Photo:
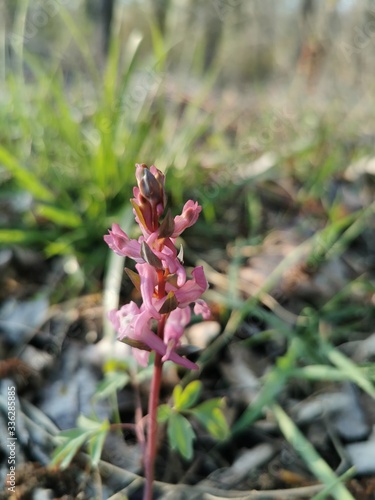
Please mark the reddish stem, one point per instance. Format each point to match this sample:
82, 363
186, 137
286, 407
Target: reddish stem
152, 424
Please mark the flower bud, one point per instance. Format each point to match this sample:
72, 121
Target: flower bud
151, 197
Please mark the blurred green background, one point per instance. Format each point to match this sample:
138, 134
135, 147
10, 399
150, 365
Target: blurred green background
234, 99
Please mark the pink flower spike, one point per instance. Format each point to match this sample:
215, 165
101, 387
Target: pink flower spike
120, 243
192, 289
189, 217
202, 308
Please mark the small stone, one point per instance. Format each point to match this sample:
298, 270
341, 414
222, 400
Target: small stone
350, 423
42, 494
201, 334
362, 456
342, 408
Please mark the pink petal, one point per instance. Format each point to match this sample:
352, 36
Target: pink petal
120, 243
176, 323
114, 319
156, 344
189, 216
192, 289
176, 358
141, 356
168, 255
124, 320
202, 308
149, 281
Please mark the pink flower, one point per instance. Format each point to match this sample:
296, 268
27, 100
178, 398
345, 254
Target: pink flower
133, 326
149, 281
120, 243
168, 255
202, 308
189, 217
192, 289
175, 325
174, 329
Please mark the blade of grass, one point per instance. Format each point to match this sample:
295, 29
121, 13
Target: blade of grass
319, 373
347, 366
322, 495
26, 179
19, 32
59, 216
273, 385
310, 456
25, 236
81, 43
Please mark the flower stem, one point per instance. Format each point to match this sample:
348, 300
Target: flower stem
152, 423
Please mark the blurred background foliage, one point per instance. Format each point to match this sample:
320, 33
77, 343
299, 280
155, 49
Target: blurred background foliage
230, 97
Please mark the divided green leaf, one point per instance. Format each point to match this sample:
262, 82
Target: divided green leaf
112, 382
96, 443
164, 412
211, 416
89, 430
186, 398
65, 452
181, 435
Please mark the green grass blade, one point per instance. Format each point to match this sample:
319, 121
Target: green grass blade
352, 371
311, 457
25, 236
25, 178
59, 216
275, 382
319, 373
81, 42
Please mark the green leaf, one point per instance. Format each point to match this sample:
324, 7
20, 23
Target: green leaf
96, 443
112, 382
65, 452
177, 391
212, 417
88, 424
181, 435
91, 430
186, 398
164, 412
115, 365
